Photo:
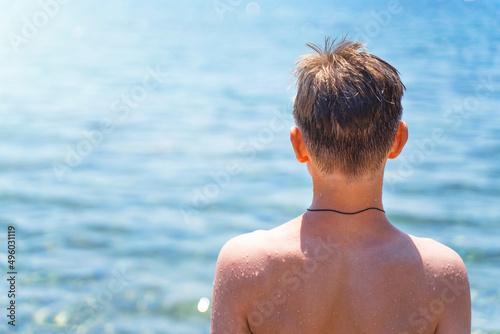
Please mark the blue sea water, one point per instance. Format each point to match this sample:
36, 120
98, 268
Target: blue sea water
137, 137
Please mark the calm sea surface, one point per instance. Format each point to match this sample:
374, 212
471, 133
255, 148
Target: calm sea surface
137, 137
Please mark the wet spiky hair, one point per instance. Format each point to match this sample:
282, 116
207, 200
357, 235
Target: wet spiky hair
348, 106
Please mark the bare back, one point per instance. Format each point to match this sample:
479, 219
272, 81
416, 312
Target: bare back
303, 278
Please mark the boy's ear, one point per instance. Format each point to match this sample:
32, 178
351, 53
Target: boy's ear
298, 144
400, 141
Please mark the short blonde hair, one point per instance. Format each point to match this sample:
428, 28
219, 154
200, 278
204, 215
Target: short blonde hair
348, 107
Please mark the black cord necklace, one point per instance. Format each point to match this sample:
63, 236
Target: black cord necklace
347, 213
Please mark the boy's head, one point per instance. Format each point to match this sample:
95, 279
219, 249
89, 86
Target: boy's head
348, 108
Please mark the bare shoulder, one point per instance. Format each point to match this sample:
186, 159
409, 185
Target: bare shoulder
441, 263
438, 257
243, 273
243, 250
235, 274
250, 249
448, 283
249, 258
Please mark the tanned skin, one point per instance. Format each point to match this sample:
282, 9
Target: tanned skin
325, 272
